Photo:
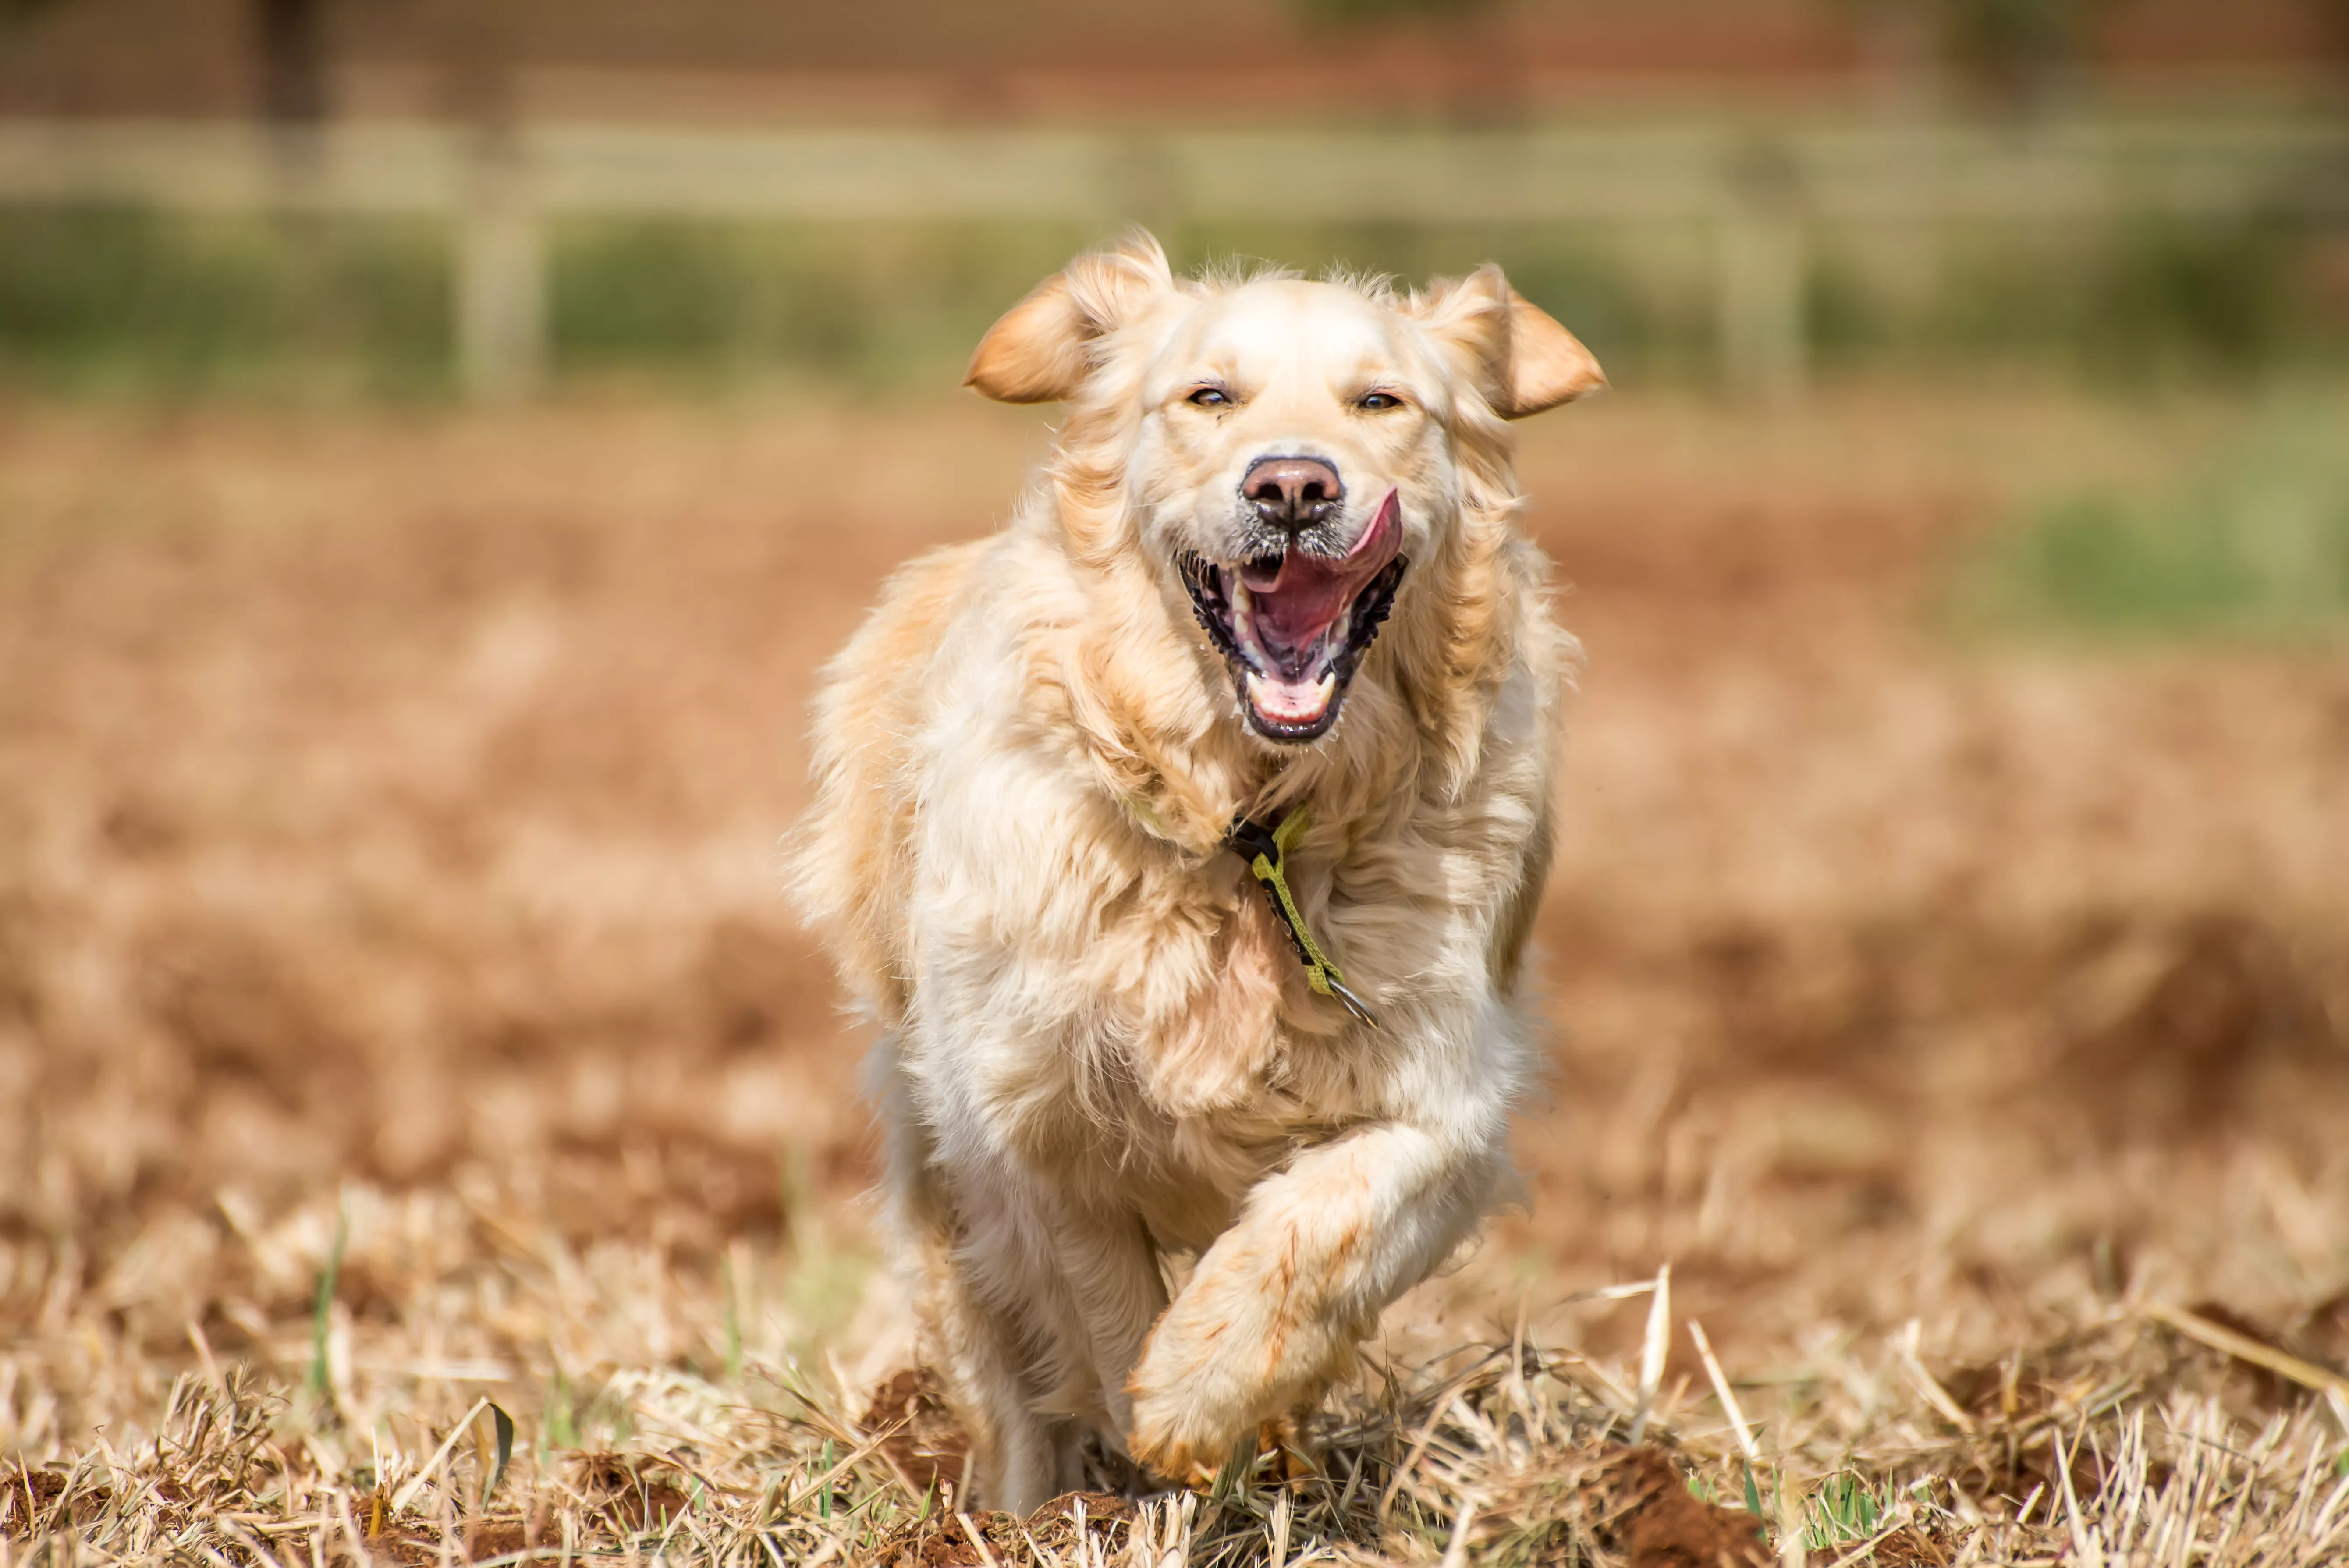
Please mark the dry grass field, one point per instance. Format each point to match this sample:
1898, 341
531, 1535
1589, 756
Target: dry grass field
398, 1012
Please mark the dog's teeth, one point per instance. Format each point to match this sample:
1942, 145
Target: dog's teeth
1261, 695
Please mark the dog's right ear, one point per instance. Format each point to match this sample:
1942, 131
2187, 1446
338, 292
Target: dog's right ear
1041, 350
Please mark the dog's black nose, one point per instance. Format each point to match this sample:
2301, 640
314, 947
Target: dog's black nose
1293, 493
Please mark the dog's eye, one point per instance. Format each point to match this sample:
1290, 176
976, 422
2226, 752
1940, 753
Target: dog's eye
1210, 397
1375, 401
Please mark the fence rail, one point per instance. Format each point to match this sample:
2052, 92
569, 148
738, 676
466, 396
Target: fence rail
1762, 189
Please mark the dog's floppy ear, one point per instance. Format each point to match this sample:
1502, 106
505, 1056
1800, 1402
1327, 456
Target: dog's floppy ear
1040, 351
1530, 363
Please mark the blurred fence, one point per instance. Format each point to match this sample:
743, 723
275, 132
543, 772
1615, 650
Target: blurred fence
1762, 192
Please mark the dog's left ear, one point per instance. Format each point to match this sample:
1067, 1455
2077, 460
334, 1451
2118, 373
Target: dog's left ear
1529, 362
1041, 349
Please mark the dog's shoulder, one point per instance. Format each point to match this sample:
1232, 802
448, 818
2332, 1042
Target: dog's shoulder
847, 866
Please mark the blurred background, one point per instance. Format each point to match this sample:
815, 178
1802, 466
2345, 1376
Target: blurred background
401, 198
439, 440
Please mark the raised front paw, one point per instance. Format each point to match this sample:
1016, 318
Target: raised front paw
1230, 1355
1188, 1408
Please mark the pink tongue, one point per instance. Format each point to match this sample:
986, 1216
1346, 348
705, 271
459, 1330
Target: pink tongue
1294, 601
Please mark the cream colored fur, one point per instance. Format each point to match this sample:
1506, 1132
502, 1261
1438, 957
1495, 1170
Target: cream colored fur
1100, 1055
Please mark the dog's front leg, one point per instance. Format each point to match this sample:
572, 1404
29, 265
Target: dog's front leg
1115, 1286
1277, 1305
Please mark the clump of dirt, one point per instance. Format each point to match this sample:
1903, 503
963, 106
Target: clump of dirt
1061, 1524
398, 1545
631, 1492
926, 1442
27, 1498
1642, 1508
1603, 1501
511, 1536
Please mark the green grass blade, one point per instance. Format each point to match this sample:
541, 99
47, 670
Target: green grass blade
322, 1312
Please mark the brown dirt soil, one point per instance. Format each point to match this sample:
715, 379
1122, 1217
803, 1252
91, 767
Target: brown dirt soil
388, 815
635, 1495
924, 1440
1646, 1513
945, 1541
27, 1499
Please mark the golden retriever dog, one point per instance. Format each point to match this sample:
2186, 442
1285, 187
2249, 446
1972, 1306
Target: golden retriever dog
1184, 836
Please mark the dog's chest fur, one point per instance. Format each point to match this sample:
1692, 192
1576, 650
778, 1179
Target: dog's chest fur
1193, 1056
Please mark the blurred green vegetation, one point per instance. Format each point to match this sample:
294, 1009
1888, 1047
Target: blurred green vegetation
126, 302
2252, 546
113, 301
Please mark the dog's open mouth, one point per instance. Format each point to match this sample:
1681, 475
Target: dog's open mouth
1295, 625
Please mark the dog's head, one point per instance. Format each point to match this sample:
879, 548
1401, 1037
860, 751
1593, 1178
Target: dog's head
1279, 451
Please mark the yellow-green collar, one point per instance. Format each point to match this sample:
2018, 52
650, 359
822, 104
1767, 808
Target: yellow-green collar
1265, 851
